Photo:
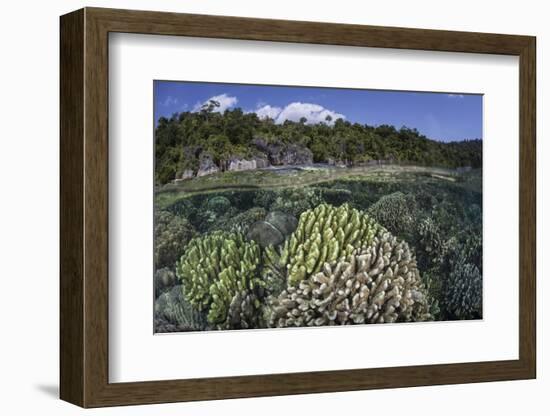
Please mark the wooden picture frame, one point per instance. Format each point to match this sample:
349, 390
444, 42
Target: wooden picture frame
84, 207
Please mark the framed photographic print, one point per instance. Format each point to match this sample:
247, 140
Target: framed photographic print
256, 207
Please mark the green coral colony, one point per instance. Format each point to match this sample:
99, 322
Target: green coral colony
338, 267
324, 235
217, 269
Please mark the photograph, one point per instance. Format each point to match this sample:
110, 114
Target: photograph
291, 206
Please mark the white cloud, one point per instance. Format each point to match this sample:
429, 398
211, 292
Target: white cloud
266, 111
169, 101
225, 101
455, 95
314, 113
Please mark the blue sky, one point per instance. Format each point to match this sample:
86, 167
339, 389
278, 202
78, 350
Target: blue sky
439, 116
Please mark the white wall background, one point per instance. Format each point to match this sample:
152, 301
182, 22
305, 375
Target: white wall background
29, 158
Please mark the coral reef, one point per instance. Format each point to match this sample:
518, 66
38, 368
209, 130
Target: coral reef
165, 278
396, 212
217, 267
461, 281
324, 234
296, 201
446, 257
174, 313
390, 248
218, 204
376, 284
463, 291
336, 196
243, 221
292, 201
214, 214
432, 242
172, 233
471, 247
244, 311
264, 198
183, 207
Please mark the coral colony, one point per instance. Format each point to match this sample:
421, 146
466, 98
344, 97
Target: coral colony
267, 224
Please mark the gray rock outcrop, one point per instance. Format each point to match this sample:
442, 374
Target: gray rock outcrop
238, 164
279, 153
206, 165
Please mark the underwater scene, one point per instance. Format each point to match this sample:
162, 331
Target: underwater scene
280, 207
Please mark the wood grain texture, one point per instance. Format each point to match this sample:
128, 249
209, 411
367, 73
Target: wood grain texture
528, 208
71, 100
96, 208
84, 207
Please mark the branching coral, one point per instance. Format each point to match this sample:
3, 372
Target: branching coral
324, 234
243, 220
172, 233
335, 266
396, 212
471, 248
463, 291
462, 286
376, 284
297, 200
217, 267
432, 243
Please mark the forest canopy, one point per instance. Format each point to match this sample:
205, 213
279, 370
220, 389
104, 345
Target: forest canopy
183, 141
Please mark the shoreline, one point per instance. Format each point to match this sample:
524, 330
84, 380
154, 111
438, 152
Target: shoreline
292, 176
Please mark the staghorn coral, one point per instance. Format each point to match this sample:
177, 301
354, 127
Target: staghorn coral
433, 243
324, 234
376, 284
432, 283
471, 248
217, 267
396, 212
172, 233
463, 291
461, 287
174, 313
445, 260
